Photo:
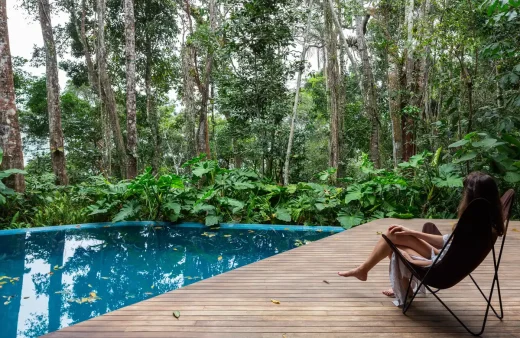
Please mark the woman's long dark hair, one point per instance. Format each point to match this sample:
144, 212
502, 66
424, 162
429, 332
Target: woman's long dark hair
480, 185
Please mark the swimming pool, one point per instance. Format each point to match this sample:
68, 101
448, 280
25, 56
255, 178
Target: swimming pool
55, 277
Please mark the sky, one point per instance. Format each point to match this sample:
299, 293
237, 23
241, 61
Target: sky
24, 33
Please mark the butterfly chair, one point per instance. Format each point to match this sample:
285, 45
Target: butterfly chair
471, 241
507, 205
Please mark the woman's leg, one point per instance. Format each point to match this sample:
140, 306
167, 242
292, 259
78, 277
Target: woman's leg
382, 250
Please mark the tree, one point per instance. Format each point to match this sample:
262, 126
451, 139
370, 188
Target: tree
131, 128
57, 147
10, 138
107, 93
297, 95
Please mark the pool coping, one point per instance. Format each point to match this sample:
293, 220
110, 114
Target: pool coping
332, 229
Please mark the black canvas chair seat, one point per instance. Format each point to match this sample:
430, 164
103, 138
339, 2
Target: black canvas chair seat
472, 240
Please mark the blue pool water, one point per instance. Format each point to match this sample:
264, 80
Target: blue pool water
52, 278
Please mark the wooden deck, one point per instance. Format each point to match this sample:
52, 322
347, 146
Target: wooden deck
238, 303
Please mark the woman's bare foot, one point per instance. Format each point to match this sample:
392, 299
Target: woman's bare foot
357, 272
389, 293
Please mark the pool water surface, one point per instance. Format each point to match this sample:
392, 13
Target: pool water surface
53, 279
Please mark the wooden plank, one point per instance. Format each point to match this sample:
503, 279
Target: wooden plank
238, 303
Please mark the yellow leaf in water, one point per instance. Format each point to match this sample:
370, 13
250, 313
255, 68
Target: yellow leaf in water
2, 283
215, 228
219, 258
250, 231
175, 249
176, 314
89, 285
106, 226
7, 303
274, 301
56, 267
227, 235
93, 294
189, 277
153, 286
1, 286
286, 229
4, 277
58, 292
148, 293
16, 279
319, 230
104, 277
84, 300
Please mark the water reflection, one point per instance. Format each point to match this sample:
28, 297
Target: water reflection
49, 280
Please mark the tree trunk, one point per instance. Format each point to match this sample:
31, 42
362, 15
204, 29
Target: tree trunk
394, 106
106, 87
131, 128
343, 39
151, 113
188, 101
369, 89
411, 90
10, 138
297, 96
53, 96
333, 91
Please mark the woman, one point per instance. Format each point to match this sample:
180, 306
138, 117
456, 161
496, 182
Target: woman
422, 248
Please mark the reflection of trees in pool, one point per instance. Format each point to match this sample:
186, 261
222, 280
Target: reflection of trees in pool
122, 264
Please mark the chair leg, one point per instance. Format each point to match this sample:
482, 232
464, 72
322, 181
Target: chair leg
501, 316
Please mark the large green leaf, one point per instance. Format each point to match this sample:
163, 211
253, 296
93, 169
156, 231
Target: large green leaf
349, 221
486, 143
512, 177
175, 207
283, 214
9, 172
458, 143
449, 181
466, 157
353, 196
127, 211
212, 220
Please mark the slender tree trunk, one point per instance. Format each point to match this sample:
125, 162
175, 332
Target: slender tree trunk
411, 90
334, 87
343, 39
10, 138
151, 113
108, 92
369, 89
188, 101
297, 95
131, 128
53, 96
394, 103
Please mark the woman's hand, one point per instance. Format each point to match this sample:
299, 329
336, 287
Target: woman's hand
396, 229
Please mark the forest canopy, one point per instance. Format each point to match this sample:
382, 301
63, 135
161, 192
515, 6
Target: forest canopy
330, 112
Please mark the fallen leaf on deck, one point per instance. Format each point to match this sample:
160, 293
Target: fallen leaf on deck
379, 233
274, 301
515, 230
176, 314
326, 282
219, 258
284, 336
227, 235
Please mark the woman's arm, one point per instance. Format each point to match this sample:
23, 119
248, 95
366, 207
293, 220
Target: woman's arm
434, 240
